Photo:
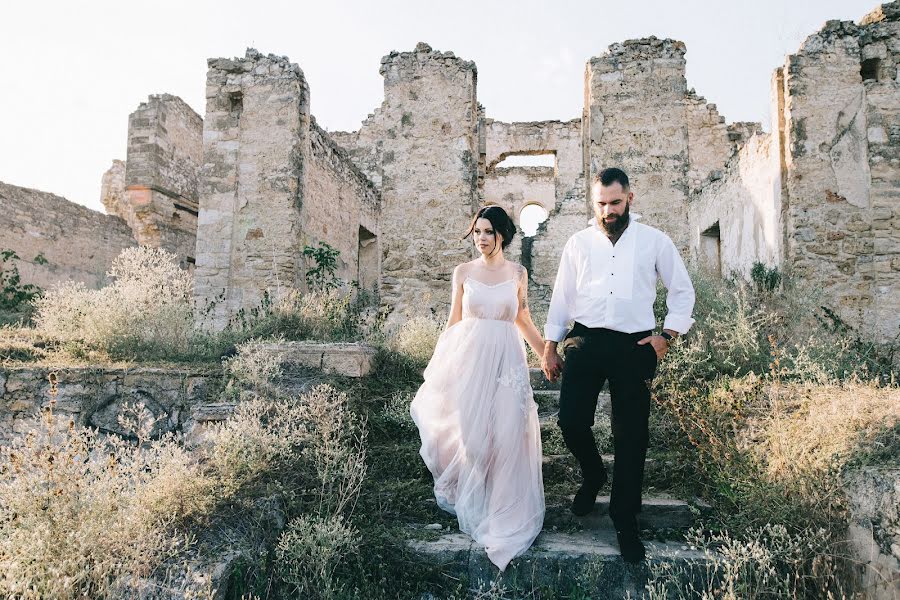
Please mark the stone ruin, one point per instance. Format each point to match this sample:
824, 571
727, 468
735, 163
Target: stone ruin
239, 193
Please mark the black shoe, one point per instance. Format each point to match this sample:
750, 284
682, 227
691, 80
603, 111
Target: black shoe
586, 496
630, 544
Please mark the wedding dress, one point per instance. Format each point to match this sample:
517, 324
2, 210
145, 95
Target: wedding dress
479, 426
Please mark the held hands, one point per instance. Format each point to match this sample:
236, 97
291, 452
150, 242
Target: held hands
659, 343
551, 362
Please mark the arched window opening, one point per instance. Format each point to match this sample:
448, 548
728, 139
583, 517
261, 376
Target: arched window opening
530, 217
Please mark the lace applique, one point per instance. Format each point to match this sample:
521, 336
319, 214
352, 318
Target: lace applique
517, 380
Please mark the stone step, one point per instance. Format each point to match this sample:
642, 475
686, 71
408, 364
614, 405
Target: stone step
587, 561
656, 513
345, 359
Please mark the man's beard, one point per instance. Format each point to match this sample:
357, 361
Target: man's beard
618, 225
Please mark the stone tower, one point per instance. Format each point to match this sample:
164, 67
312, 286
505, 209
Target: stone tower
248, 233
634, 120
429, 174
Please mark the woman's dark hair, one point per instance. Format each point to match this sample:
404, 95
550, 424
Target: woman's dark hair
500, 221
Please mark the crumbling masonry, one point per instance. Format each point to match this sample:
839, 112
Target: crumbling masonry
817, 196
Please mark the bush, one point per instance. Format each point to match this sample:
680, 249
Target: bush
740, 330
146, 310
15, 297
417, 338
761, 406
766, 279
85, 515
311, 443
321, 276
330, 315
146, 314
766, 562
309, 552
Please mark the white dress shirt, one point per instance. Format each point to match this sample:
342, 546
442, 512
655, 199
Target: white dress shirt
614, 286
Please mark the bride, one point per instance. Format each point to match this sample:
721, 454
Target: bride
475, 412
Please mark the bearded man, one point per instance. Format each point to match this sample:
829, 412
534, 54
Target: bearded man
606, 287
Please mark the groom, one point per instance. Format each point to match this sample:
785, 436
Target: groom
606, 285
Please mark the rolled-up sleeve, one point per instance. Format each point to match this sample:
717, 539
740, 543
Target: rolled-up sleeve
563, 298
680, 296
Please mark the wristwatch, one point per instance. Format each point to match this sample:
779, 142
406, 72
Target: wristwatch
668, 336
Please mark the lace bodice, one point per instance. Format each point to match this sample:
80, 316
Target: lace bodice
498, 301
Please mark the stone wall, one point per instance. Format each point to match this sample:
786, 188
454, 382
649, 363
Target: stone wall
112, 189
364, 146
273, 182
161, 178
735, 220
735, 213
429, 175
879, 42
819, 196
635, 120
78, 243
640, 116
874, 530
341, 207
514, 188
835, 208
561, 139
178, 399
710, 142
571, 215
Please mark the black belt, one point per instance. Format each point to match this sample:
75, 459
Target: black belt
582, 330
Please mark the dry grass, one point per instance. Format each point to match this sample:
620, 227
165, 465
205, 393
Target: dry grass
85, 515
80, 515
148, 306
806, 429
417, 337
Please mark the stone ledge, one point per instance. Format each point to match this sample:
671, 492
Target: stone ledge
348, 359
559, 561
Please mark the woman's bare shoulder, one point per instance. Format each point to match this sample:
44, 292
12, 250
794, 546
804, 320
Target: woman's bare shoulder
518, 270
462, 270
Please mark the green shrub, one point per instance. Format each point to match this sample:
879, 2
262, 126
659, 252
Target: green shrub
16, 298
309, 552
321, 275
329, 315
766, 279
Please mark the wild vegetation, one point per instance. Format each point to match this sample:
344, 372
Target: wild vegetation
760, 411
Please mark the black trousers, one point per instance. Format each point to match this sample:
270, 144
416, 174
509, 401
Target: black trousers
593, 357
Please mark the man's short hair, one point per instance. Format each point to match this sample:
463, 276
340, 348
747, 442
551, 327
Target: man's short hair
612, 175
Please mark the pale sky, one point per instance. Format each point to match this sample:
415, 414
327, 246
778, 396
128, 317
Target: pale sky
75, 70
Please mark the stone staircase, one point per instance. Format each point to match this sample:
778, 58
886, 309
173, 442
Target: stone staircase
575, 552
